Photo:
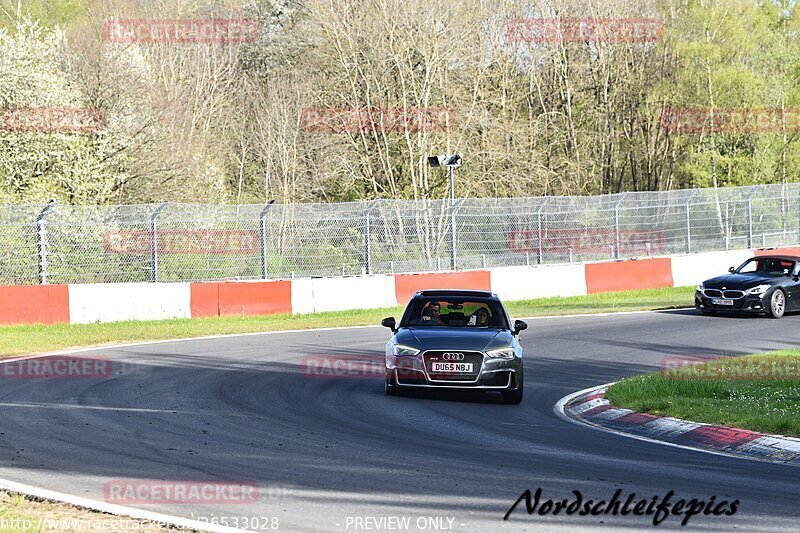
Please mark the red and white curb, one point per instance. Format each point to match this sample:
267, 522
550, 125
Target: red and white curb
590, 407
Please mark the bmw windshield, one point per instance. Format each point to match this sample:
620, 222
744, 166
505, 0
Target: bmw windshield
767, 266
455, 312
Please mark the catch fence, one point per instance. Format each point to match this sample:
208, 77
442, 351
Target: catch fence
167, 242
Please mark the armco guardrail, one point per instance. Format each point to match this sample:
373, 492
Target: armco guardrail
171, 242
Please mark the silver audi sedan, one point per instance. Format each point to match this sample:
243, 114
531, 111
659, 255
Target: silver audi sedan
455, 339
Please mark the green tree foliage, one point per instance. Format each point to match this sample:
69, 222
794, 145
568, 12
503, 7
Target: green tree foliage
734, 55
223, 121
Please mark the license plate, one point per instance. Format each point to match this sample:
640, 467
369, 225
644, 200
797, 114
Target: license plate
721, 301
452, 367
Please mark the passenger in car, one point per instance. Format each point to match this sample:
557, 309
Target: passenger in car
480, 317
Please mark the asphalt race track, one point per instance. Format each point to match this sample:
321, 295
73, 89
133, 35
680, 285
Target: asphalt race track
323, 450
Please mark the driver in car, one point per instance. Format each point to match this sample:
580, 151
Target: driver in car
772, 266
431, 313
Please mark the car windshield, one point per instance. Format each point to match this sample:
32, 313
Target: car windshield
467, 312
769, 266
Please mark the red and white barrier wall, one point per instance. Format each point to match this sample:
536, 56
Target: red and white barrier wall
115, 302
112, 302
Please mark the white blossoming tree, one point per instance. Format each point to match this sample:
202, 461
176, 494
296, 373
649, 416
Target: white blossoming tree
37, 164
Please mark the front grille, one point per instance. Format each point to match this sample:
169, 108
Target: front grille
476, 358
730, 295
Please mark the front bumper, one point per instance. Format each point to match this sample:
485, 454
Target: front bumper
494, 374
746, 304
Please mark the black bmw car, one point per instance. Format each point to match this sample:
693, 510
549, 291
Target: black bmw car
761, 285
455, 339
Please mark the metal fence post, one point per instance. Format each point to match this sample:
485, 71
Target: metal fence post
41, 241
453, 239
798, 218
154, 242
367, 243
688, 222
616, 225
750, 215
262, 234
540, 232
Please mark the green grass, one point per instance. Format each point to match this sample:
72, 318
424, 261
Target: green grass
15, 514
759, 392
19, 340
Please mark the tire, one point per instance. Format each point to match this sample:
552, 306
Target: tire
514, 397
390, 390
777, 304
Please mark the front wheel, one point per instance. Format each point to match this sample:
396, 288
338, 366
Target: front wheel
777, 304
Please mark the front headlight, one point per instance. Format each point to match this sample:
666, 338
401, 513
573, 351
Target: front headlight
502, 353
399, 350
758, 289
701, 287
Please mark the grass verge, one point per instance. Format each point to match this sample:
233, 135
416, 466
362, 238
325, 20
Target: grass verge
20, 340
20, 513
759, 392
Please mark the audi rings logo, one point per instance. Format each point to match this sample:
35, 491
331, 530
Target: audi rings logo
453, 356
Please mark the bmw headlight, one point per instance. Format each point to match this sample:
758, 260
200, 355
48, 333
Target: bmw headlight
758, 289
399, 350
701, 287
502, 353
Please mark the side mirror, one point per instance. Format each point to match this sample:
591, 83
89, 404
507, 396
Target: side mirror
389, 323
731, 270
519, 325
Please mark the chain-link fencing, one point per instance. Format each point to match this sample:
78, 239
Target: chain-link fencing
57, 243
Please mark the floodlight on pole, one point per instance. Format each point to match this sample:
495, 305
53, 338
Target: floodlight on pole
451, 161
